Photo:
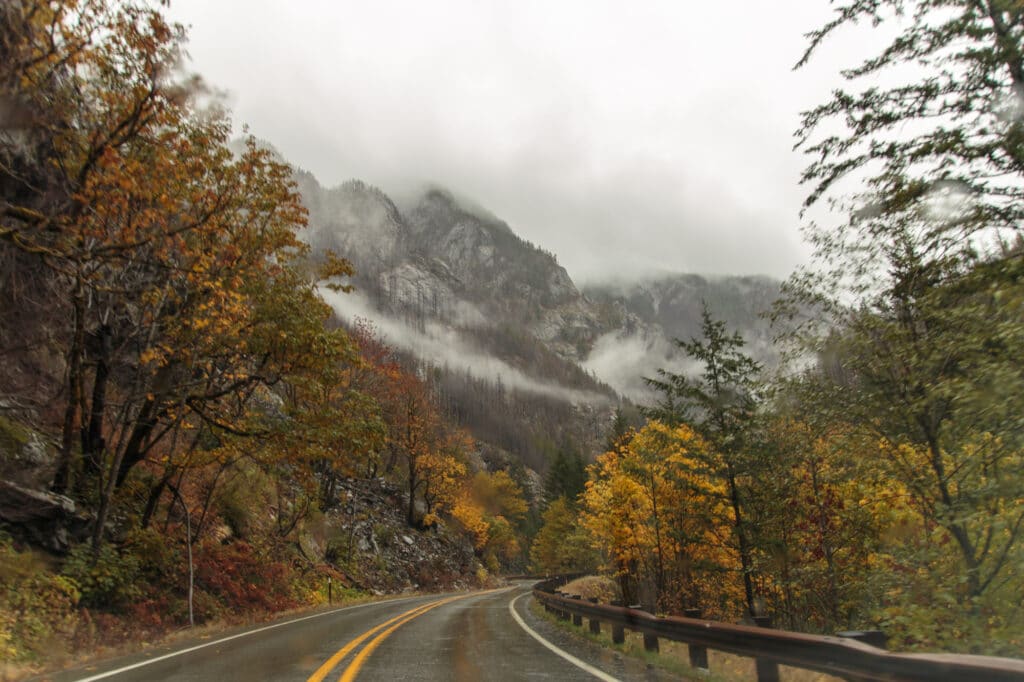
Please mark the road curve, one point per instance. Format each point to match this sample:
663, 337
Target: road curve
489, 635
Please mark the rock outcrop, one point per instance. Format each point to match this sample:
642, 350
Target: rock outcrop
43, 518
27, 458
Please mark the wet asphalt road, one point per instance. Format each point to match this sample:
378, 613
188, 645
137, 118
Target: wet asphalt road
460, 637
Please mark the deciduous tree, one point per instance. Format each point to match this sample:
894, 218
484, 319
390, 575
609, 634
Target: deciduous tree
661, 513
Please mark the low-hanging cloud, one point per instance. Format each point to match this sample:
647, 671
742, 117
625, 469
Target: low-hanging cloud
444, 346
623, 361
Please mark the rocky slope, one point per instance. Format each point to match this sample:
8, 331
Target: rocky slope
442, 261
455, 275
367, 539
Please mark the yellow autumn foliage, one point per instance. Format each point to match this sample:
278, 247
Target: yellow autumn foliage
657, 509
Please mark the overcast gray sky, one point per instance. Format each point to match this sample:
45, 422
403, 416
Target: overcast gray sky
626, 137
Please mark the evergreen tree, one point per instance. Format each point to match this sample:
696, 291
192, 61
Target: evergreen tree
720, 405
567, 476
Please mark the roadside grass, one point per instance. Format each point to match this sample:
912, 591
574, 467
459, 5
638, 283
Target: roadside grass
674, 657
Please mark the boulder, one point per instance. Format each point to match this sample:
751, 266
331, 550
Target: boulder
42, 518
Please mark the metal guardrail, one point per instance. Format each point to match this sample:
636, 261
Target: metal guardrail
770, 648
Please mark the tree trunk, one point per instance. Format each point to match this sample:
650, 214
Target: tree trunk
410, 516
741, 537
957, 529
62, 478
135, 450
93, 443
154, 498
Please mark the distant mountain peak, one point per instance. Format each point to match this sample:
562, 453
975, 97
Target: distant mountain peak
457, 287
437, 205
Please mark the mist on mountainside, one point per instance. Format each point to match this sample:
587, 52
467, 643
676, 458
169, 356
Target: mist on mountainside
441, 276
453, 287
443, 346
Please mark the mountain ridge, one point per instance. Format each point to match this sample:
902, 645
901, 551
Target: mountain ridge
496, 320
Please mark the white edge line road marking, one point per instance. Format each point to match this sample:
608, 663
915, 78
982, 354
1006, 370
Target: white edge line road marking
133, 666
599, 674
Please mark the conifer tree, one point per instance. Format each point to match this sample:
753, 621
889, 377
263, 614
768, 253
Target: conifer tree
720, 405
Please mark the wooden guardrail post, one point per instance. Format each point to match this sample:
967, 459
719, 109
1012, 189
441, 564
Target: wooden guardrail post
560, 613
767, 671
875, 638
698, 654
595, 624
618, 632
577, 619
650, 641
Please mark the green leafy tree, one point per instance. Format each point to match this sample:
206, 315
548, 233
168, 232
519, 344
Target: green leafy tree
562, 545
947, 128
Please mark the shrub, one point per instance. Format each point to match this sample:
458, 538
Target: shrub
108, 579
37, 608
240, 580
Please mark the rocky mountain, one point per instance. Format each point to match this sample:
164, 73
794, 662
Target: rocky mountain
491, 313
674, 301
354, 219
659, 309
444, 261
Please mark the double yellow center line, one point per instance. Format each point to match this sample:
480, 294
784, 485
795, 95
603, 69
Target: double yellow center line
384, 629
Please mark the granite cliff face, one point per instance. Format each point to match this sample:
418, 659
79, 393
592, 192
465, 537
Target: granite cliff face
442, 261
508, 280
353, 219
674, 301
494, 314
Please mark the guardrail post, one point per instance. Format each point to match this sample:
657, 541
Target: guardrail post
767, 671
618, 632
577, 619
875, 638
650, 641
698, 654
595, 624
